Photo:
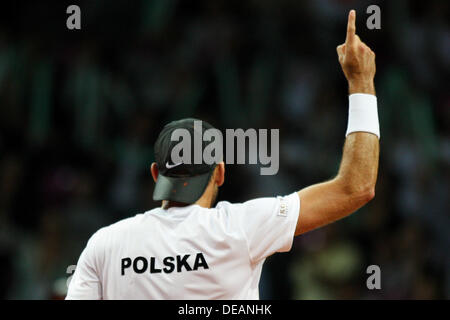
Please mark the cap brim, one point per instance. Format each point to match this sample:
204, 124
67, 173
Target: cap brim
185, 190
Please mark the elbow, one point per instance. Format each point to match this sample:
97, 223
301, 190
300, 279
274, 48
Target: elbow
362, 196
369, 194
359, 194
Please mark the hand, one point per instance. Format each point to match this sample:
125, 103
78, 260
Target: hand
357, 60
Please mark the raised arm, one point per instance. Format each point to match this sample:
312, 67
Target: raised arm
354, 184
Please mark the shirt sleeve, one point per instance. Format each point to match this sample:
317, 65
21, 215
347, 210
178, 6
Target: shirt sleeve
269, 225
85, 283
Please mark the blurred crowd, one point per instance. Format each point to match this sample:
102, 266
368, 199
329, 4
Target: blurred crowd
80, 111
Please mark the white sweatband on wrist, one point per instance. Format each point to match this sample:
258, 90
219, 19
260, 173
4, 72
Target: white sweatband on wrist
363, 114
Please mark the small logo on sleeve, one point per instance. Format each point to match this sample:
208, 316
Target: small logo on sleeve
283, 208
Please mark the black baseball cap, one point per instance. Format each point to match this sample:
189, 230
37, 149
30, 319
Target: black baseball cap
181, 182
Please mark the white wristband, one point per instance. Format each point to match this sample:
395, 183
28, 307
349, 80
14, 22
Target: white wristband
363, 114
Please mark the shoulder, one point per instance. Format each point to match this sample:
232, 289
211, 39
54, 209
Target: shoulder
225, 205
257, 204
229, 211
115, 230
260, 207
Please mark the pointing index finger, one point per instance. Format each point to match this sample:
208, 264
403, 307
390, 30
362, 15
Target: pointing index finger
351, 28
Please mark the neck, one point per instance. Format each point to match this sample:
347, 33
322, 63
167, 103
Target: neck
202, 202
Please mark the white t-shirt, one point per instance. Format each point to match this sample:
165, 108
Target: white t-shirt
186, 252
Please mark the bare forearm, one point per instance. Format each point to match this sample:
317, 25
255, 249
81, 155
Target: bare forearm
359, 165
351, 189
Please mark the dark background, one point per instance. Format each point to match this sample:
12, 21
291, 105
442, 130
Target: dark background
81, 109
